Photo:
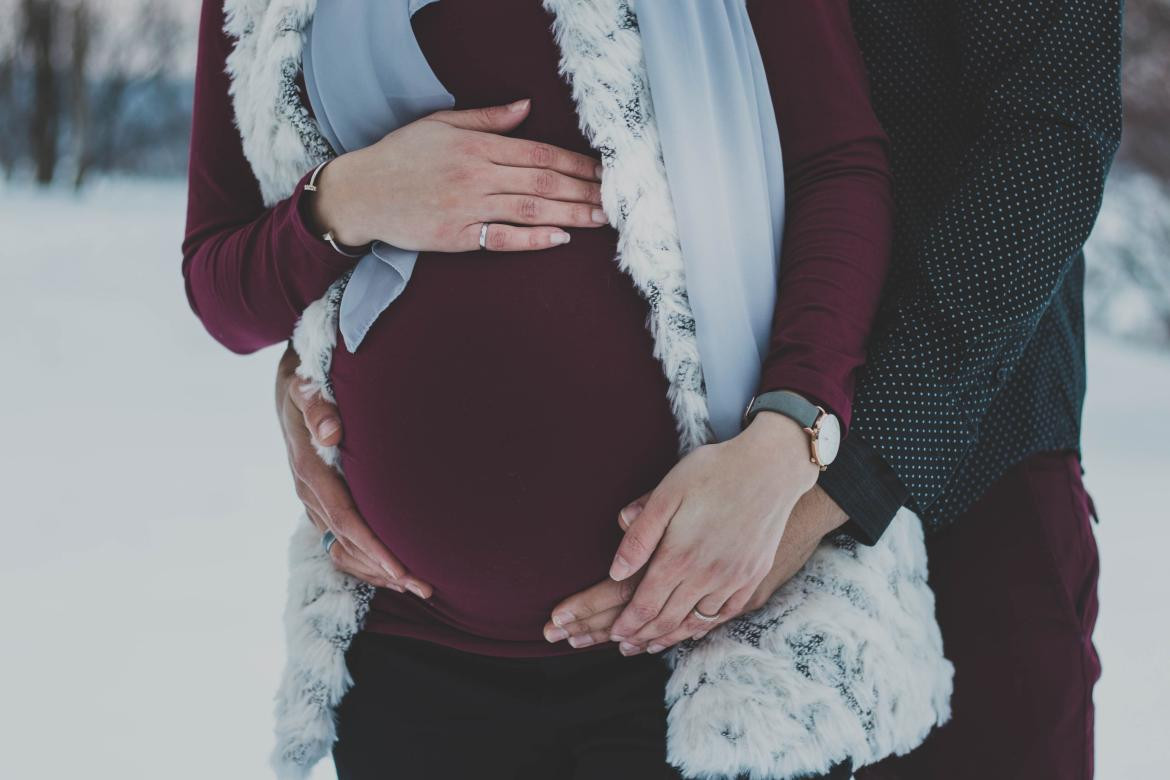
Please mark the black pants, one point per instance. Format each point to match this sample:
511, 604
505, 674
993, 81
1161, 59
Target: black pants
423, 711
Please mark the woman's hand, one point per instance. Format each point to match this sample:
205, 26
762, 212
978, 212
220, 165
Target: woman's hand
308, 418
587, 617
713, 526
431, 184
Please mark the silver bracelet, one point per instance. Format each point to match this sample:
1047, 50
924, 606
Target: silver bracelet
327, 236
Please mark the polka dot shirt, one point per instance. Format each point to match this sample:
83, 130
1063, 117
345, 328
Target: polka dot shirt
1003, 116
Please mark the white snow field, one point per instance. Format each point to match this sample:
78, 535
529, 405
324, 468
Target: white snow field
147, 503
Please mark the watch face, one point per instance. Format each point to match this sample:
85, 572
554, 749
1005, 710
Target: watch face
829, 441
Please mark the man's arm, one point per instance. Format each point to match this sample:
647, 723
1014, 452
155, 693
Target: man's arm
1047, 77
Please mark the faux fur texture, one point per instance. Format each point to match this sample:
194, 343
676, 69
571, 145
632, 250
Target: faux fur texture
844, 662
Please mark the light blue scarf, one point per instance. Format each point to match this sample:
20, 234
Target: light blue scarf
366, 76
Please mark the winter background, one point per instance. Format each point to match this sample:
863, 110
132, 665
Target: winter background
146, 491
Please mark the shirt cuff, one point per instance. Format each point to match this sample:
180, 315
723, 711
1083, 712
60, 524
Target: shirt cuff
865, 488
316, 246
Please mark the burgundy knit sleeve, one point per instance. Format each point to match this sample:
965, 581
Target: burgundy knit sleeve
249, 270
839, 204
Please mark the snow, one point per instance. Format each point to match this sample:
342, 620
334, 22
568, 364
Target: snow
148, 503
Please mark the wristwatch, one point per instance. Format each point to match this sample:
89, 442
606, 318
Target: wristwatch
823, 428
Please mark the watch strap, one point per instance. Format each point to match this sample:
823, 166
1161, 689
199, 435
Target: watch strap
786, 403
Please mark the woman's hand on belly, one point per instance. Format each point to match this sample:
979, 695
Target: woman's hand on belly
306, 419
432, 184
587, 618
709, 532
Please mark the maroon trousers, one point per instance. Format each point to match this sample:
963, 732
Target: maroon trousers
1016, 587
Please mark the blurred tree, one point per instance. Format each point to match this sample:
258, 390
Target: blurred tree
93, 85
8, 111
139, 112
78, 87
40, 19
1146, 77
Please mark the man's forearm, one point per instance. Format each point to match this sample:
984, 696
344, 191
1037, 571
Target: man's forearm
979, 275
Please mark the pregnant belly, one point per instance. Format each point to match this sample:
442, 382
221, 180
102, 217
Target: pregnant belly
497, 417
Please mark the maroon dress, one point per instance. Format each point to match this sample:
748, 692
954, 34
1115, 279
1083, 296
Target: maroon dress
504, 408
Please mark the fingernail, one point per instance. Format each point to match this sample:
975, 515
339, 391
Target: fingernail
620, 568
630, 514
655, 648
616, 638
599, 217
583, 640
415, 589
556, 635
563, 617
327, 429
519, 105
625, 648
598, 171
560, 238
396, 587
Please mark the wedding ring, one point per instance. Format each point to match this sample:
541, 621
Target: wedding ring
328, 539
702, 616
483, 235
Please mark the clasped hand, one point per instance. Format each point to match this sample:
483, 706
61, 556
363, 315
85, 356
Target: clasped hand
705, 539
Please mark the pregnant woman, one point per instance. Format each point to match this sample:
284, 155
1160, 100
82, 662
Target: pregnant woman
501, 396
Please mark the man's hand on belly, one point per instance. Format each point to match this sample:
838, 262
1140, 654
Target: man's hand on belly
305, 419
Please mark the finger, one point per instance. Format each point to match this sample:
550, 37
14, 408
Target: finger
736, 602
533, 154
630, 511
597, 598
545, 183
649, 599
353, 561
345, 561
351, 529
643, 537
679, 621
322, 522
582, 633
320, 417
509, 238
342, 516
534, 210
490, 119
685, 631
317, 520
321, 487
675, 612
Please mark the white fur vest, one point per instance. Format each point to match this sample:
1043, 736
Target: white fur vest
844, 662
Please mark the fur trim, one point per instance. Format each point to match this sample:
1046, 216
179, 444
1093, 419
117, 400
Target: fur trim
844, 662
281, 141
601, 56
324, 612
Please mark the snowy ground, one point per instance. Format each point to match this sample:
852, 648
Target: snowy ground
148, 502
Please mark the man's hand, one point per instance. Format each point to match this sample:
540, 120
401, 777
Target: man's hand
306, 418
587, 617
